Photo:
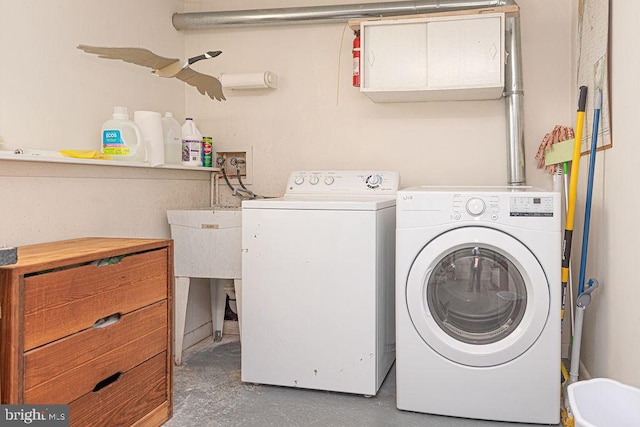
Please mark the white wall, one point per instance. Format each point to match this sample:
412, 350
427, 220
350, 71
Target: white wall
54, 96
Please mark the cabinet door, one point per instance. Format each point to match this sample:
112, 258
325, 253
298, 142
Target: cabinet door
464, 53
395, 56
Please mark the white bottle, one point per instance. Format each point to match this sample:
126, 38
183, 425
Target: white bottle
172, 133
191, 144
121, 137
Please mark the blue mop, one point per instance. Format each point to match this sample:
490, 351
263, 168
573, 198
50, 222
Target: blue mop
584, 295
587, 210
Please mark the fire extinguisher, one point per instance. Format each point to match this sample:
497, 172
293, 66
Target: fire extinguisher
356, 59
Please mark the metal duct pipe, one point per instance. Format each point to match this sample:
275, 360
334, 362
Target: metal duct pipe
322, 14
514, 102
513, 91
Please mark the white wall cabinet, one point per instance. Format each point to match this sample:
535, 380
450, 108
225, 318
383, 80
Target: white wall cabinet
433, 59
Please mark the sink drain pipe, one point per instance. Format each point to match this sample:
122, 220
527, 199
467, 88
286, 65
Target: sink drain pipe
513, 90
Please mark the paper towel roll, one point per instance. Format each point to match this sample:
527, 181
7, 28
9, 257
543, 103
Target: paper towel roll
150, 124
263, 80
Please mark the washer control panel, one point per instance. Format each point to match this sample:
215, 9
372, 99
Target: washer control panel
346, 182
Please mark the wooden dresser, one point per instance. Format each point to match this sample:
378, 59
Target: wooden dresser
89, 323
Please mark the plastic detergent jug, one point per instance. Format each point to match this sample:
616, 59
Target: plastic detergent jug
121, 137
172, 140
191, 144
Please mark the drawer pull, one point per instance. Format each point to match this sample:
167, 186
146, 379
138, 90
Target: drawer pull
107, 321
105, 382
108, 261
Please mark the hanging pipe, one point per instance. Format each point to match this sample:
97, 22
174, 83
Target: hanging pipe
322, 14
514, 102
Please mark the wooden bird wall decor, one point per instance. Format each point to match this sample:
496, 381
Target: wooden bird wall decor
165, 67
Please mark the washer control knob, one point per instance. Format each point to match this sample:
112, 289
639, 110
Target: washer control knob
329, 180
374, 181
299, 180
314, 180
475, 206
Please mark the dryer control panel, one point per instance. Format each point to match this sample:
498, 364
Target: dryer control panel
475, 206
488, 206
523, 207
531, 206
343, 182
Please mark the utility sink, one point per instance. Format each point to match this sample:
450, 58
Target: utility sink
207, 244
207, 241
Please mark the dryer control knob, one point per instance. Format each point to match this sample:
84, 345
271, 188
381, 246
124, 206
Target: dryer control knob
475, 206
314, 180
299, 180
329, 180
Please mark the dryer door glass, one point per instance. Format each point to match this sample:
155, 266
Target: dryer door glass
476, 295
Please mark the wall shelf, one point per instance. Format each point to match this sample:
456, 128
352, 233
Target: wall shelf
45, 156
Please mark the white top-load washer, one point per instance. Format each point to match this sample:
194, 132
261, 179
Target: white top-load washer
478, 302
318, 282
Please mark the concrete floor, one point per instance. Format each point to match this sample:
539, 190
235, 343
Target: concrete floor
208, 392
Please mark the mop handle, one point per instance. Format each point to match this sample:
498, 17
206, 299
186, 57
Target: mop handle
573, 184
587, 210
565, 169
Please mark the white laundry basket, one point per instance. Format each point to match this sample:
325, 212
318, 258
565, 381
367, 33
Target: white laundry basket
602, 402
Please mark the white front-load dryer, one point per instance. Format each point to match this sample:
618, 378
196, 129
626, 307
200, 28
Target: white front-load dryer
478, 297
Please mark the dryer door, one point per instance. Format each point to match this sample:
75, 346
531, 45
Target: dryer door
477, 296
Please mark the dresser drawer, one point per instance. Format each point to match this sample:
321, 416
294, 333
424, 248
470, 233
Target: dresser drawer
62, 371
124, 401
88, 323
61, 303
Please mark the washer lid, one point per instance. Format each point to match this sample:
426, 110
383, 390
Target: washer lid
477, 296
323, 202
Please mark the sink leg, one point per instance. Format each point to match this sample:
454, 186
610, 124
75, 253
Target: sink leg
181, 295
237, 283
218, 306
